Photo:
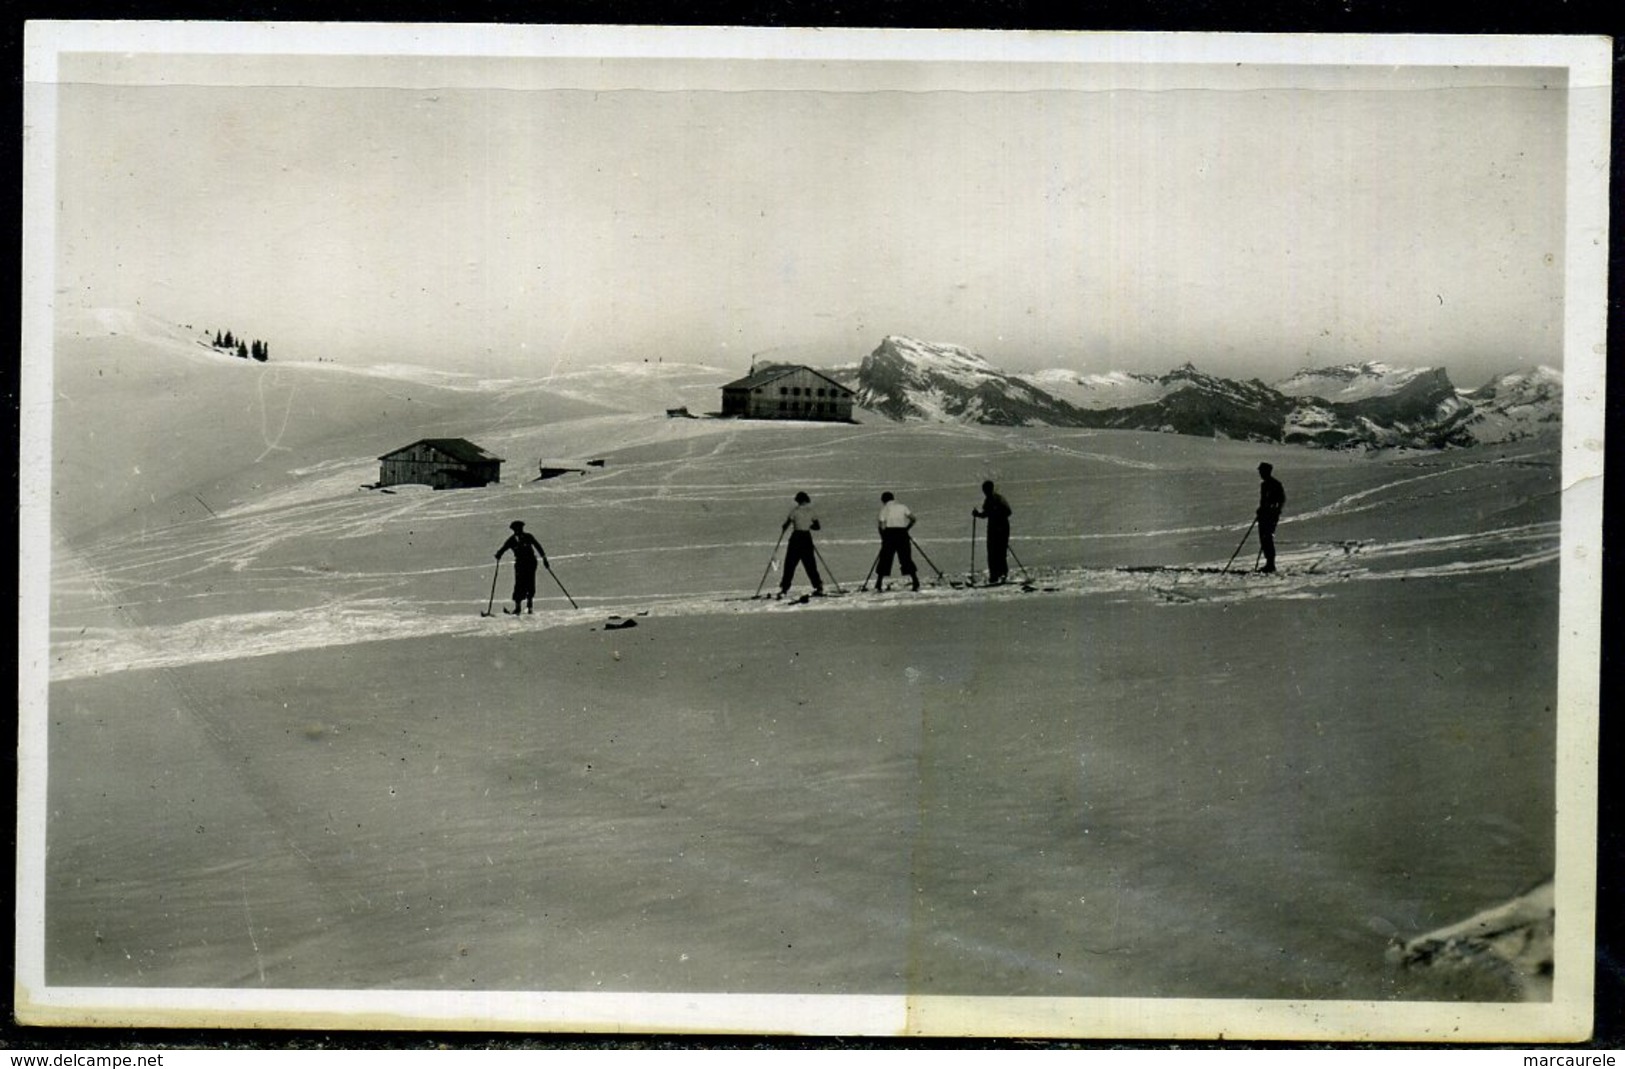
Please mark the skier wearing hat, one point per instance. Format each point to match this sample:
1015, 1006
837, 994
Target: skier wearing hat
801, 523
525, 551
1271, 499
894, 521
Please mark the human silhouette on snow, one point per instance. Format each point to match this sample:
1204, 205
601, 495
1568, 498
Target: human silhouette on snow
996, 510
801, 523
895, 521
1271, 499
525, 551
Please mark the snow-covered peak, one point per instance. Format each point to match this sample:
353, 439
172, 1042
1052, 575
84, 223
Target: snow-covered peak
1517, 405
1352, 382
1541, 381
1107, 389
1099, 380
906, 378
1188, 372
937, 358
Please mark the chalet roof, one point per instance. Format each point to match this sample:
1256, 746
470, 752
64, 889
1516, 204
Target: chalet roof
460, 449
776, 372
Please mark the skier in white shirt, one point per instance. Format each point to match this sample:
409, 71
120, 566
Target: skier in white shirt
894, 523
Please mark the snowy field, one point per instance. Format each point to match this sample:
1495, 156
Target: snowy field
288, 751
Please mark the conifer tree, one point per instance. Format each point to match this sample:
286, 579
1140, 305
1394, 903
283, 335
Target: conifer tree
219, 342
242, 350
231, 343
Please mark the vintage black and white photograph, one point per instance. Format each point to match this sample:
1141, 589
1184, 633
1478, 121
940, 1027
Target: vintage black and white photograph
843, 532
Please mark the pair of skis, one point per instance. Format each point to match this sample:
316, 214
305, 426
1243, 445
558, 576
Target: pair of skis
923, 556
970, 576
774, 559
491, 603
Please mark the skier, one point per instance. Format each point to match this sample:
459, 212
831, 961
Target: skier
801, 523
525, 551
1271, 499
894, 522
996, 510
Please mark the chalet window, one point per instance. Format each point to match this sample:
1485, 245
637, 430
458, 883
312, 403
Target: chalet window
783, 390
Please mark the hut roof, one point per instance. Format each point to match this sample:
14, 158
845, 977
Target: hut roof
460, 449
776, 372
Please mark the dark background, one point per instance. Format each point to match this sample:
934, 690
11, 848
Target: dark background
1587, 18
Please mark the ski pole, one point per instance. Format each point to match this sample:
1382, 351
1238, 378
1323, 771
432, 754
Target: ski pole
925, 558
1243, 542
489, 605
819, 554
769, 567
970, 576
872, 566
1026, 577
567, 596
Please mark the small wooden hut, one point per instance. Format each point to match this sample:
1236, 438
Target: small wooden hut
443, 463
552, 469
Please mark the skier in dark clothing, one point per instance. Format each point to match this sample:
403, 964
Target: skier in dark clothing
996, 510
525, 551
801, 523
1271, 499
895, 521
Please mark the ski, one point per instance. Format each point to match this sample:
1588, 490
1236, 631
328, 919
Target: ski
1178, 569
786, 599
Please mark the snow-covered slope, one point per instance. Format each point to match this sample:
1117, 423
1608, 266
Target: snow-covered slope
1112, 389
146, 412
1517, 405
137, 334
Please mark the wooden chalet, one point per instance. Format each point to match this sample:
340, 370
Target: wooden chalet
787, 392
443, 463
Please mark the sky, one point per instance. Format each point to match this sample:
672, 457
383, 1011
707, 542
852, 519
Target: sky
531, 215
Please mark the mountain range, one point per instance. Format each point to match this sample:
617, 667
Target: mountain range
1370, 405
1353, 406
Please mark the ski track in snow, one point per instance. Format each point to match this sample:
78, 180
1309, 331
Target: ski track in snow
1309, 572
